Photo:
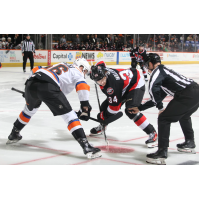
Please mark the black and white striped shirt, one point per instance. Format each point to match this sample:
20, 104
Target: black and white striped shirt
28, 45
167, 80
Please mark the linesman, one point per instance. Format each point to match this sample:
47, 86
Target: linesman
28, 51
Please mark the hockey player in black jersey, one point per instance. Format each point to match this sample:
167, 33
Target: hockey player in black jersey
137, 55
121, 86
164, 81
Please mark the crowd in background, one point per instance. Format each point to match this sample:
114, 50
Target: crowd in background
108, 42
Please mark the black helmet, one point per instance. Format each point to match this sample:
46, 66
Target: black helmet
153, 58
98, 71
141, 45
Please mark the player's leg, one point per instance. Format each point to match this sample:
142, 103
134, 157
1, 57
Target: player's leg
59, 105
98, 130
24, 61
134, 98
31, 107
133, 62
143, 70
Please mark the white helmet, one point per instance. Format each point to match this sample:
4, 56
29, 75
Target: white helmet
84, 63
3, 39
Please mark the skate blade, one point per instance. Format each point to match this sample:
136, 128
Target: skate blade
90, 155
187, 150
11, 141
158, 161
94, 134
152, 145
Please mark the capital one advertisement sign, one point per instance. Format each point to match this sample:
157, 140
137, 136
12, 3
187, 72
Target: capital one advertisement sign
63, 56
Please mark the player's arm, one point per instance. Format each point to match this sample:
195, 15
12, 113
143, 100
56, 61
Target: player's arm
83, 90
155, 88
149, 103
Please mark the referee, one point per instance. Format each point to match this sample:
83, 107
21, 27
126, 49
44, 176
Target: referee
28, 51
164, 81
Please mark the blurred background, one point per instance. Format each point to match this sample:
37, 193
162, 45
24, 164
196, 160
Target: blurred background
106, 42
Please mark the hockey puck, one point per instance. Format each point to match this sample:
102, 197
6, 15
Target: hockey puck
115, 149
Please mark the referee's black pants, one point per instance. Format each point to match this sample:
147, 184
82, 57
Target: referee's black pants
184, 104
28, 54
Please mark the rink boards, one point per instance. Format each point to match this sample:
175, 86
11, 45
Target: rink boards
13, 58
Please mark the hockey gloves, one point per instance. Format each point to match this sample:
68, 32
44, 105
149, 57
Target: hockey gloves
84, 112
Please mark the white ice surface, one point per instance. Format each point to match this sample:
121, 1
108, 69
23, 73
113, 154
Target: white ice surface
47, 141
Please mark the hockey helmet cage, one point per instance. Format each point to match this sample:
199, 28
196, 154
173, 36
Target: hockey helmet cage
82, 62
98, 72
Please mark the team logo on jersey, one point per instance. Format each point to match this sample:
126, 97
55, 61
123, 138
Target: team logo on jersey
110, 91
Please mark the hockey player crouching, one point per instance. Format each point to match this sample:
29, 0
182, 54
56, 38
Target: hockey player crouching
121, 86
164, 81
50, 85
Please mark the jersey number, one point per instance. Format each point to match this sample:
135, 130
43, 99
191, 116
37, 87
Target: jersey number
114, 99
126, 74
59, 69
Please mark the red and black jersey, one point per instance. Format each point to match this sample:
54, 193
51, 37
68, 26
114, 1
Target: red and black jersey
119, 82
135, 53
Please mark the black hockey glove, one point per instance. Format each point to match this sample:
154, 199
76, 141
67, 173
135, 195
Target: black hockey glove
84, 114
103, 119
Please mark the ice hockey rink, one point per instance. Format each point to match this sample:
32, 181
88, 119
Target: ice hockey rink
47, 141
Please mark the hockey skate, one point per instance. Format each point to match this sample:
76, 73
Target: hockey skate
152, 140
158, 157
187, 147
90, 151
14, 136
97, 130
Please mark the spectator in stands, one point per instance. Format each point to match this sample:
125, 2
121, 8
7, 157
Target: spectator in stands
113, 47
43, 40
77, 39
69, 46
9, 44
78, 47
3, 45
189, 38
107, 40
92, 47
17, 40
61, 46
87, 46
63, 39
96, 39
88, 40
93, 39
97, 46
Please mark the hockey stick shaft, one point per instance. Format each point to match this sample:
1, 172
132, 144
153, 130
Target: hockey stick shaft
16, 90
100, 111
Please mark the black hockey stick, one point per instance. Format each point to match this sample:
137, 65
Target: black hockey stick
16, 90
104, 131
